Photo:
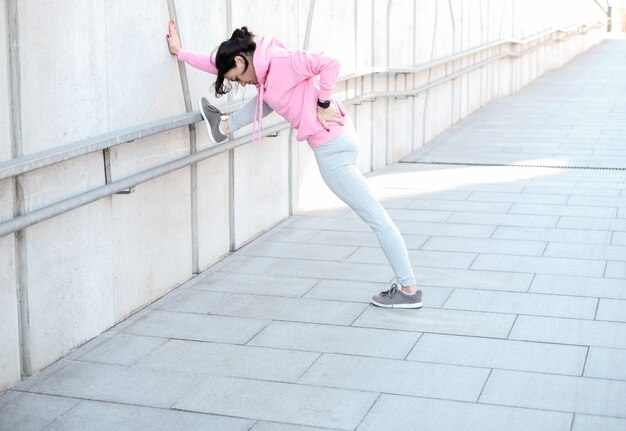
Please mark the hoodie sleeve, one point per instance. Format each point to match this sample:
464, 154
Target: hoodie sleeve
202, 62
308, 64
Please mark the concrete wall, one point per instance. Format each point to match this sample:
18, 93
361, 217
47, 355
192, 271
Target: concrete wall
80, 273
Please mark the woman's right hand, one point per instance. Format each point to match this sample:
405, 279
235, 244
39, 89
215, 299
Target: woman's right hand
172, 39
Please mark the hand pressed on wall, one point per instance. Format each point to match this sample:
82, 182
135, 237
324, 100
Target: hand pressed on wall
172, 39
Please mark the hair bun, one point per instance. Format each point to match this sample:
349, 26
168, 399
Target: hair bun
241, 33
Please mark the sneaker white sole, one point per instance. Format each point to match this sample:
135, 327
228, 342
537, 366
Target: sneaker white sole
413, 305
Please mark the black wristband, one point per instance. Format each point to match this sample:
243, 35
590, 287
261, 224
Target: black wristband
323, 104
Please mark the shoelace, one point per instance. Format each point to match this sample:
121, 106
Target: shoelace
391, 292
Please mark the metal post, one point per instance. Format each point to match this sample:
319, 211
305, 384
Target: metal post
21, 243
171, 5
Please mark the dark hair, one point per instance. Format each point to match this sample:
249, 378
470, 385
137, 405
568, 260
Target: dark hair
241, 42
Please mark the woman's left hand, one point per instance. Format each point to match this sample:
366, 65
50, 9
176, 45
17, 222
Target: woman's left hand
329, 114
173, 41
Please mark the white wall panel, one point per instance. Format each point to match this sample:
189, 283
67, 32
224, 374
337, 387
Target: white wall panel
5, 105
213, 210
63, 72
261, 186
150, 241
70, 293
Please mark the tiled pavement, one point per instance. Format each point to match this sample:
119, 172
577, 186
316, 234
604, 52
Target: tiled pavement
523, 271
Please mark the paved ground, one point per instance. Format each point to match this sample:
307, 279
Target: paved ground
523, 270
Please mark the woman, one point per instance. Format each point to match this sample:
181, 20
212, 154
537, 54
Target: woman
298, 85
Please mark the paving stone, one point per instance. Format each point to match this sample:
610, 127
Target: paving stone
104, 416
397, 377
432, 297
612, 309
146, 387
91, 344
522, 303
517, 198
574, 191
578, 286
542, 265
553, 235
227, 260
350, 291
570, 331
122, 349
328, 223
25, 412
504, 219
606, 363
275, 426
70, 378
449, 195
336, 339
502, 354
311, 269
229, 360
169, 296
258, 284
592, 223
507, 188
303, 251
280, 402
445, 229
398, 214
267, 308
363, 239
440, 321
437, 259
563, 210
553, 392
141, 314
586, 251
443, 205
400, 413
391, 202
192, 326
479, 245
619, 238
335, 211
615, 269
600, 201
587, 422
290, 235
473, 279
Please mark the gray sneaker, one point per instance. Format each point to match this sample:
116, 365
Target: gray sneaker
395, 298
212, 117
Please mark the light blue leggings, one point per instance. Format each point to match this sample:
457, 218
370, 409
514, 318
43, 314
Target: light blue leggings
337, 162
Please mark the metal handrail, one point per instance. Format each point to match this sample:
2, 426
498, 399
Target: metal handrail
13, 167
41, 214
17, 166
87, 146
60, 154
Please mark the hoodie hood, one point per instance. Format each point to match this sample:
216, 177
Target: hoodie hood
266, 48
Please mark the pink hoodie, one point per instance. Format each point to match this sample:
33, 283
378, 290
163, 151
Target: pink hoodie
290, 82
